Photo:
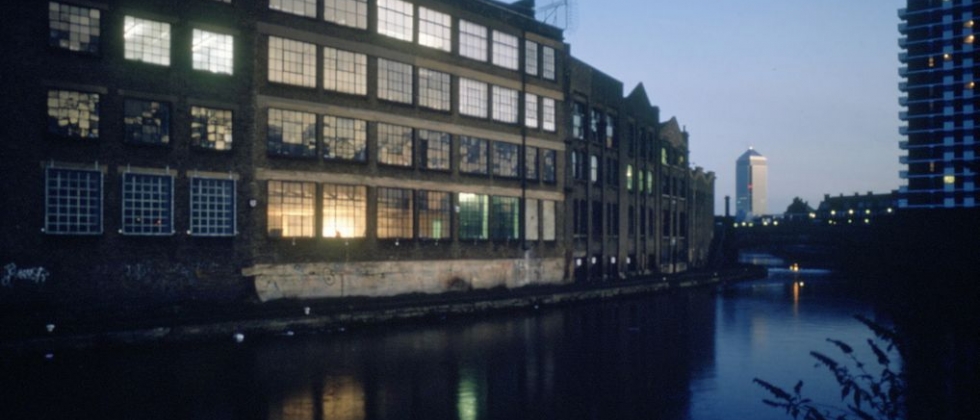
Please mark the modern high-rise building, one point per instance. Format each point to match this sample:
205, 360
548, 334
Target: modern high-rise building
940, 119
750, 185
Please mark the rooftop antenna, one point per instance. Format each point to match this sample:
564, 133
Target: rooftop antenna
558, 13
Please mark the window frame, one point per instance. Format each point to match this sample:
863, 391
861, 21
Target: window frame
306, 205
202, 134
334, 9
147, 49
142, 194
473, 40
400, 16
394, 85
333, 127
508, 47
395, 213
65, 202
306, 147
197, 228
70, 34
219, 59
134, 132
345, 71
435, 29
278, 50
346, 198
64, 114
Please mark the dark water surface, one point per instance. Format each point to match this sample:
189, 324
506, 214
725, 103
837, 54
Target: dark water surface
688, 355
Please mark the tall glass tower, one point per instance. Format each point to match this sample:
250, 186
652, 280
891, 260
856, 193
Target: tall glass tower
939, 65
750, 185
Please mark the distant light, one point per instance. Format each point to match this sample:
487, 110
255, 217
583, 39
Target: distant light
775, 223
889, 210
949, 179
833, 212
850, 211
813, 215
968, 24
867, 221
969, 39
867, 211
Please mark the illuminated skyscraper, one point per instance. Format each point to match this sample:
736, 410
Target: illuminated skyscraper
750, 185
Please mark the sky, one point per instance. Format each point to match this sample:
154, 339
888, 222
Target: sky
812, 85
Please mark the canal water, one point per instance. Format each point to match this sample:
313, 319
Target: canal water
685, 355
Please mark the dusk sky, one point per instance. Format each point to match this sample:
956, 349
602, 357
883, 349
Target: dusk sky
812, 85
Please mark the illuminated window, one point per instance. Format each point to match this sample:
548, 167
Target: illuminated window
548, 114
212, 52
344, 211
146, 122
292, 62
291, 209
505, 50
505, 217
435, 29
394, 81
506, 159
473, 212
629, 177
931, 62
531, 110
595, 118
949, 179
344, 71
351, 13
968, 39
296, 7
548, 165
594, 168
395, 213
434, 90
472, 155
970, 85
578, 120
504, 104
968, 24
394, 145
548, 61
146, 40
211, 128
212, 207
434, 148
147, 204
395, 19
947, 56
472, 98
291, 133
531, 57
650, 182
74, 28
531, 162
73, 114
472, 40
344, 139
72, 202
434, 215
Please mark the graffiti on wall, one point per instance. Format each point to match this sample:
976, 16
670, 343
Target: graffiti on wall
35, 275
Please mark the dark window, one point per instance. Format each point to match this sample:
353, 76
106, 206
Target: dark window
548, 165
473, 155
531, 163
146, 122
434, 215
506, 160
473, 212
434, 148
505, 217
597, 219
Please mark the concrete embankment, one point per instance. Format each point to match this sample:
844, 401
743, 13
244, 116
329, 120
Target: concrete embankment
188, 324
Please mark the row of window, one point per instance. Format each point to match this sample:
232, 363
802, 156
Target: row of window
597, 126
74, 204
293, 210
295, 133
672, 224
76, 114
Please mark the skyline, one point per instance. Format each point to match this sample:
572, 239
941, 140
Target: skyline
812, 86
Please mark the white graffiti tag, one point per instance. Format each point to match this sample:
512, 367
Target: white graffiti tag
37, 275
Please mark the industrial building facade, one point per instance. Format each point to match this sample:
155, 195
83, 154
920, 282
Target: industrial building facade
324, 148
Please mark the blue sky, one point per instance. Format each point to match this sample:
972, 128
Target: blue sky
810, 84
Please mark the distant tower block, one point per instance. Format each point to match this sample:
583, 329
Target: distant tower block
751, 185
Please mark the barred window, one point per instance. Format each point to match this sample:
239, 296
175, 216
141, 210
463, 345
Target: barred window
395, 19
146, 40
473, 212
505, 217
472, 155
395, 213
344, 71
394, 145
531, 219
73, 114
72, 202
212, 207
434, 91
344, 211
472, 40
472, 98
296, 7
505, 50
434, 215
291, 209
74, 28
548, 165
212, 52
531, 162
548, 63
504, 104
147, 204
292, 62
531, 110
531, 57
435, 29
506, 159
211, 128
351, 13
291, 133
548, 114
394, 81
548, 220
434, 148
344, 139
146, 122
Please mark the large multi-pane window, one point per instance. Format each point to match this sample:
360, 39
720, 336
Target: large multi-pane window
344, 139
351, 13
548, 165
74, 28
505, 50
147, 204
435, 29
548, 114
472, 40
344, 71
548, 220
394, 145
291, 209
395, 19
344, 211
531, 219
146, 122
474, 222
212, 52
531, 162
211, 128
504, 104
72, 202
292, 62
296, 7
434, 149
212, 207
291, 133
434, 90
73, 114
472, 155
434, 214
531, 110
506, 159
505, 217
548, 63
531, 57
394, 81
472, 98
395, 213
146, 40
